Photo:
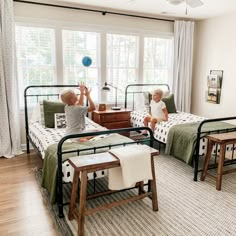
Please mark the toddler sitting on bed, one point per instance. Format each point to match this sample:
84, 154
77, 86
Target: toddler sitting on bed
75, 111
158, 111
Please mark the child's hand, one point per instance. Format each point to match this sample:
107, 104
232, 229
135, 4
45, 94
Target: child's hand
82, 88
87, 92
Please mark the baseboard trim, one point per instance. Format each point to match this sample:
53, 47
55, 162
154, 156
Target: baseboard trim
23, 147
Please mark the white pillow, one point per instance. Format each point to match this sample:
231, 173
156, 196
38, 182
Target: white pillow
139, 102
37, 114
146, 96
60, 120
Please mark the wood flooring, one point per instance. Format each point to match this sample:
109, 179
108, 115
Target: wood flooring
22, 210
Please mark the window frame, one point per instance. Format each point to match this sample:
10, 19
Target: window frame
59, 26
136, 67
97, 51
20, 24
161, 36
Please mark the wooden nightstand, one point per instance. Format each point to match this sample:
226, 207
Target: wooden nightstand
112, 119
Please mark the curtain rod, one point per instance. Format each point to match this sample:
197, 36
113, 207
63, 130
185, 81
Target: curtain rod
93, 10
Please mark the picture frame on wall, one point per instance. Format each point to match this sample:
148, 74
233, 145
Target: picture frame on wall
214, 81
213, 95
214, 84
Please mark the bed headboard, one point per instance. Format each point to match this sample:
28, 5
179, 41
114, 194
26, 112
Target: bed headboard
39, 93
133, 89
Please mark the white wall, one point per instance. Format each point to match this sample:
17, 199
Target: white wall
35, 14
215, 49
59, 16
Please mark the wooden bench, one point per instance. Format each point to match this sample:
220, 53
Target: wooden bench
101, 161
223, 139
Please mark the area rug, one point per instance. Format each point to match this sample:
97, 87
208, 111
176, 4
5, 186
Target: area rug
185, 207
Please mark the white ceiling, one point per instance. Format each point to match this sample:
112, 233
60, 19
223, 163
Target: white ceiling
211, 8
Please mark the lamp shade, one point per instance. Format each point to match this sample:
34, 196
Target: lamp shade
106, 87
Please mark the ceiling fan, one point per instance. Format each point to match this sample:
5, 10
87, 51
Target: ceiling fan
191, 3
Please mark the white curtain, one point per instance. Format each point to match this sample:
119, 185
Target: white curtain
183, 57
9, 121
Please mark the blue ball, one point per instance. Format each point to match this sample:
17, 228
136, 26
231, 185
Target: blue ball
86, 61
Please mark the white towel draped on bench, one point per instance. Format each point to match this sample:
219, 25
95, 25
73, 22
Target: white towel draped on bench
135, 166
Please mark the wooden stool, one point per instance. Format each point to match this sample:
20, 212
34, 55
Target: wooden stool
223, 139
101, 161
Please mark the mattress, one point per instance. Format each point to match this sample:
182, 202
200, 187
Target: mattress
162, 129
44, 137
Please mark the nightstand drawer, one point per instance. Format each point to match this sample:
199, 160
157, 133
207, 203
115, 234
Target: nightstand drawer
117, 125
115, 117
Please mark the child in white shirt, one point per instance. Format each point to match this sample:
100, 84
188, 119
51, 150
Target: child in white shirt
158, 111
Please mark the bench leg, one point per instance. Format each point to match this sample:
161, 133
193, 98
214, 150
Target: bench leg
141, 187
154, 187
220, 167
207, 159
73, 195
82, 203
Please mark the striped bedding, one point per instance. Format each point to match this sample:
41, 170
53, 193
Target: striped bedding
44, 137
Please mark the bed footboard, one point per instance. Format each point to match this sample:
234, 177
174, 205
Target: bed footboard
201, 133
61, 152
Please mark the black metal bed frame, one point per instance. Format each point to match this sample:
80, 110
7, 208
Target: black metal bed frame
200, 133
26, 96
60, 152
137, 92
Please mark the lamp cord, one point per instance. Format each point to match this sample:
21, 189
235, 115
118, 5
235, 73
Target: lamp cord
116, 98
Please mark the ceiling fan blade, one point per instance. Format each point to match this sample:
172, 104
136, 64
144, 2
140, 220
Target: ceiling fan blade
175, 2
194, 3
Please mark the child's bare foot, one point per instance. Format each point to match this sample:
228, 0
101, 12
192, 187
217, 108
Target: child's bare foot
145, 133
85, 139
82, 140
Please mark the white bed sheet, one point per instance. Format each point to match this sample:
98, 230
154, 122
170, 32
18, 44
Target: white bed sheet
44, 137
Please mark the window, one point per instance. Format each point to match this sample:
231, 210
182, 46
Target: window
48, 55
122, 62
35, 48
158, 59
76, 45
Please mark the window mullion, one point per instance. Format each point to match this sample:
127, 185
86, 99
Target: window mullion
103, 58
140, 60
59, 57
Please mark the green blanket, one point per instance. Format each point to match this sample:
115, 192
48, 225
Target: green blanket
181, 141
49, 178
